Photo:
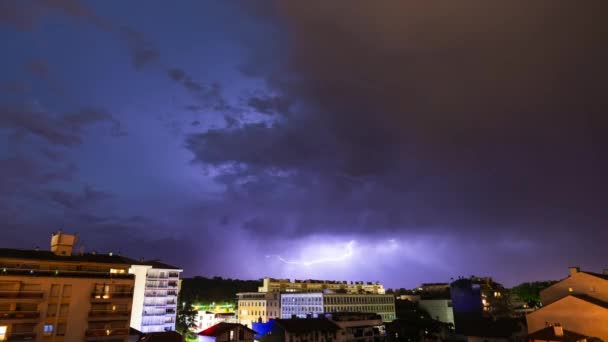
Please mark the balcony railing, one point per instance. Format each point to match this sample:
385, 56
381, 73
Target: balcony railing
111, 295
107, 332
64, 273
9, 315
109, 313
25, 336
21, 294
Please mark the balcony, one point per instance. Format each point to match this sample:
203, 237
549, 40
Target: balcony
111, 296
172, 284
25, 336
106, 334
109, 315
65, 273
21, 316
21, 294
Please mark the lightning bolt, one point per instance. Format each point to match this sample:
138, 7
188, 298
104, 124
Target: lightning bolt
348, 252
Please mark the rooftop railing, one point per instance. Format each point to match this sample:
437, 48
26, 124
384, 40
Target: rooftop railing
64, 273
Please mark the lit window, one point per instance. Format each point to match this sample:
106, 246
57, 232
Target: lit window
114, 270
570, 289
48, 329
2, 332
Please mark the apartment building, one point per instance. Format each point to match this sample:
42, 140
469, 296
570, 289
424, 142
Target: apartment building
286, 285
60, 296
578, 304
312, 304
155, 296
257, 307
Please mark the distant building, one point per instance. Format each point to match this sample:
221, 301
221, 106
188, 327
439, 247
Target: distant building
226, 332
466, 297
313, 304
578, 303
207, 319
439, 309
155, 296
258, 307
480, 296
286, 285
60, 295
357, 326
318, 329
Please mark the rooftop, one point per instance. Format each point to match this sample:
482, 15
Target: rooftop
306, 325
548, 334
110, 258
220, 328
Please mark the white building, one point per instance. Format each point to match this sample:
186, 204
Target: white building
207, 319
312, 304
439, 309
286, 285
154, 296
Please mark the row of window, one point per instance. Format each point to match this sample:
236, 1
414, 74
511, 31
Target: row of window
359, 300
258, 303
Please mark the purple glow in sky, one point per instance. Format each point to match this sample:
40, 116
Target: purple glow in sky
399, 142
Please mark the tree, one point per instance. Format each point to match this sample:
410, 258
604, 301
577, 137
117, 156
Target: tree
186, 318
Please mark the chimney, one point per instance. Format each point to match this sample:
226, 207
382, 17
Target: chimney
573, 270
62, 244
558, 331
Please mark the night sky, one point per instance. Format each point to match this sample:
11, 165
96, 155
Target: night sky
398, 141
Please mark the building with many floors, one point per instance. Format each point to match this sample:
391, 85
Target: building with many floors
286, 285
258, 307
60, 296
578, 304
312, 304
155, 296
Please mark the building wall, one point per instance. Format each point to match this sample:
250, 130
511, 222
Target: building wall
66, 304
577, 283
255, 306
383, 305
160, 300
138, 294
286, 285
439, 309
301, 304
573, 314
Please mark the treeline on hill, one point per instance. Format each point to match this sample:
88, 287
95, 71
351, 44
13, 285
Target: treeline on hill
217, 289
530, 292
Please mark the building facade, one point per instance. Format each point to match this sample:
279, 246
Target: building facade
313, 304
59, 296
578, 303
257, 307
155, 296
439, 309
226, 332
207, 319
286, 285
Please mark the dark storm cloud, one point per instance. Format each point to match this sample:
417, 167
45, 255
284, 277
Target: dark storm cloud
143, 51
64, 131
38, 68
18, 14
78, 201
470, 116
269, 104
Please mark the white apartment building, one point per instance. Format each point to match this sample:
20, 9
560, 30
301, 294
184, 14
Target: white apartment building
286, 285
154, 296
312, 304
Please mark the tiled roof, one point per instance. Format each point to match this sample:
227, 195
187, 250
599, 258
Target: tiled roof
599, 275
220, 328
591, 300
548, 334
165, 336
306, 325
